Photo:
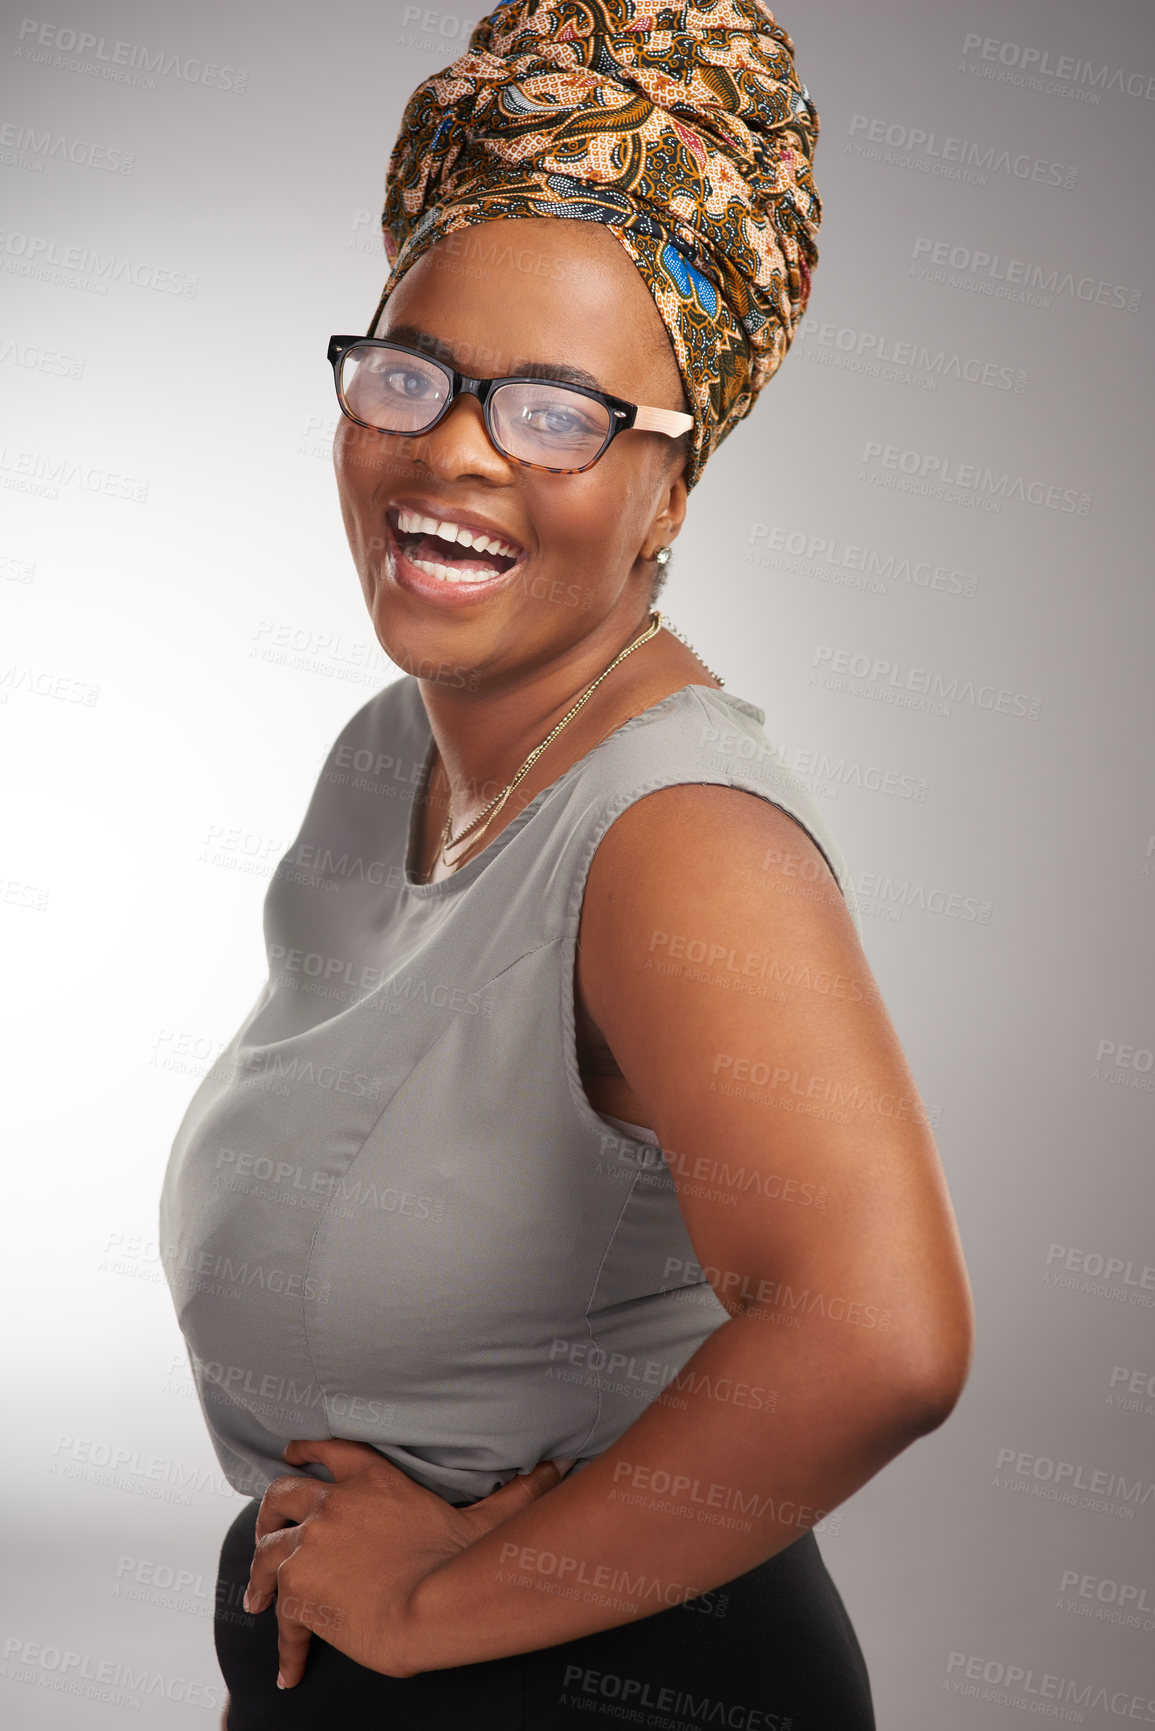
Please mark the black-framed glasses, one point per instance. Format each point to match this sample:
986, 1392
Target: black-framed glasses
543, 423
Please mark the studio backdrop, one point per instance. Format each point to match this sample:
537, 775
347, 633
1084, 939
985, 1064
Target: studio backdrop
924, 555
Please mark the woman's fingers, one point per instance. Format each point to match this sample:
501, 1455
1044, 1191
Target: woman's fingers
522, 1489
292, 1497
293, 1637
270, 1553
323, 1545
341, 1455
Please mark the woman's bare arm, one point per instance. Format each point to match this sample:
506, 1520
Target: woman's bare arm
814, 1199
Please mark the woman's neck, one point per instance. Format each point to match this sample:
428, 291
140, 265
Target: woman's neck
482, 741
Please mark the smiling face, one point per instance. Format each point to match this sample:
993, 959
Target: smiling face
549, 298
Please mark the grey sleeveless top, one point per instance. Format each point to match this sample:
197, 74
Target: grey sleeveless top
390, 1212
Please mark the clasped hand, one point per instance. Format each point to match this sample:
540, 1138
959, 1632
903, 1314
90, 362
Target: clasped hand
349, 1567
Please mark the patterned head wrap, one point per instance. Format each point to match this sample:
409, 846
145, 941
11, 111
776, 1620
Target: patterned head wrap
683, 128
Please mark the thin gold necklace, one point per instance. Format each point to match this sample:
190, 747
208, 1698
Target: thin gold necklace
486, 816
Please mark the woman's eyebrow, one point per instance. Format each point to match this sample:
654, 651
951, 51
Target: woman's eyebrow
415, 338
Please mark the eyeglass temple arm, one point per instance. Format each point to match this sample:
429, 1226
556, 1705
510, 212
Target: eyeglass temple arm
671, 421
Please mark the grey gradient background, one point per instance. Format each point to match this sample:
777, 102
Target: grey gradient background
184, 637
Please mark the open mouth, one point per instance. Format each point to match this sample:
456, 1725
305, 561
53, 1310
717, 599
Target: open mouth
450, 553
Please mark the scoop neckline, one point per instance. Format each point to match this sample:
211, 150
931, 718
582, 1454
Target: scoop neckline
477, 865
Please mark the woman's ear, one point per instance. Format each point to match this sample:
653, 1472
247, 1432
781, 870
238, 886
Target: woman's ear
673, 512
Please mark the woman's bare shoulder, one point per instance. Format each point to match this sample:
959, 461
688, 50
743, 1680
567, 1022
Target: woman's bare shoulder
701, 850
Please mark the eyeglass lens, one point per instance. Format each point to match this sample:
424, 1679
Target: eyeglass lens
538, 421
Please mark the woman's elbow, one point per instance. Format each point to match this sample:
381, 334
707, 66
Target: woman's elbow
933, 1370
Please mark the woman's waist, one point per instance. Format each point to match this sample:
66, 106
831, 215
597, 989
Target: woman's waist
460, 1422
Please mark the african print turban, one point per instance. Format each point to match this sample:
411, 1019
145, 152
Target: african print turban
683, 128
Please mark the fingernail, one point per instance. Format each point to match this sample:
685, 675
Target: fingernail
281, 1684
563, 1466
247, 1601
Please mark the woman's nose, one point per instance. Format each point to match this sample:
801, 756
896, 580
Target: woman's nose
460, 444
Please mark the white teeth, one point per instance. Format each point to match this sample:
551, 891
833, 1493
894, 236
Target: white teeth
411, 523
448, 576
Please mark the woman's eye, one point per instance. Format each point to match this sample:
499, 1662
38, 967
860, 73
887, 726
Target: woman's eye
406, 384
558, 423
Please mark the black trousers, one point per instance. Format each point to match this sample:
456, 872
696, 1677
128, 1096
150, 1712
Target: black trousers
773, 1650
